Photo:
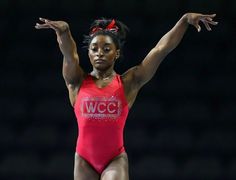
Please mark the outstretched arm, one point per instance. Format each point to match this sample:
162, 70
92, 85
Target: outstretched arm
72, 72
141, 74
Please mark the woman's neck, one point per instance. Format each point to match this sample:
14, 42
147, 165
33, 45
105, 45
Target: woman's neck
103, 75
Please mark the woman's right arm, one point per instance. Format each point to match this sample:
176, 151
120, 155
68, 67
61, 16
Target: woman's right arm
72, 72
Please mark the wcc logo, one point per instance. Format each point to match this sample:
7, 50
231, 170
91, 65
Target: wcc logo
101, 107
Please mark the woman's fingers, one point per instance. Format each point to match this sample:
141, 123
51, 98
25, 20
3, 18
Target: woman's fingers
207, 25
208, 20
58, 26
212, 22
44, 25
44, 20
41, 26
209, 15
198, 27
47, 24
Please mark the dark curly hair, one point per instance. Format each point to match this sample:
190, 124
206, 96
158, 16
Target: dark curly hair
111, 27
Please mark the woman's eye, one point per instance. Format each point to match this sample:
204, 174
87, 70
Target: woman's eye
93, 48
106, 49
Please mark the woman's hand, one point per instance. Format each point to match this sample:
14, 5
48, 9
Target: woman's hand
195, 18
59, 27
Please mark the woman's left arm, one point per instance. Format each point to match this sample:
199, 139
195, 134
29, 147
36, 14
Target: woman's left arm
143, 72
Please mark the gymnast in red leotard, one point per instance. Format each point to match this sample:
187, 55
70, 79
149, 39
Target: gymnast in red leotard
101, 115
102, 98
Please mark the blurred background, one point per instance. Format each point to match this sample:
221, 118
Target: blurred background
182, 125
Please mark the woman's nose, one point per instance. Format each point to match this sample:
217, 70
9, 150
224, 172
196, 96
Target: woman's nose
100, 52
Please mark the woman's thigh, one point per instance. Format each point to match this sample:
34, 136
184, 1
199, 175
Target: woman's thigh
118, 169
83, 171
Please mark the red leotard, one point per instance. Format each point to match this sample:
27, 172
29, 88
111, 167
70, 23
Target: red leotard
101, 115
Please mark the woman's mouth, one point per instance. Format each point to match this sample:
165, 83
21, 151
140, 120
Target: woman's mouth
99, 61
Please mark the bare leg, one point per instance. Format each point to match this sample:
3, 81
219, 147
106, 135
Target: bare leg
83, 171
117, 169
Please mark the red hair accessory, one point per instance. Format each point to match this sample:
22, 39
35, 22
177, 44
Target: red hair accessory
110, 27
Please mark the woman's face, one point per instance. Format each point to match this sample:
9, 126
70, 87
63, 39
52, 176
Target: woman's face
102, 52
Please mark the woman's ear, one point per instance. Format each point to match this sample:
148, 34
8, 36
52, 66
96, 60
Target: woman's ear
117, 53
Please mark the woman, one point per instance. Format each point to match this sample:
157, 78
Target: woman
102, 98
